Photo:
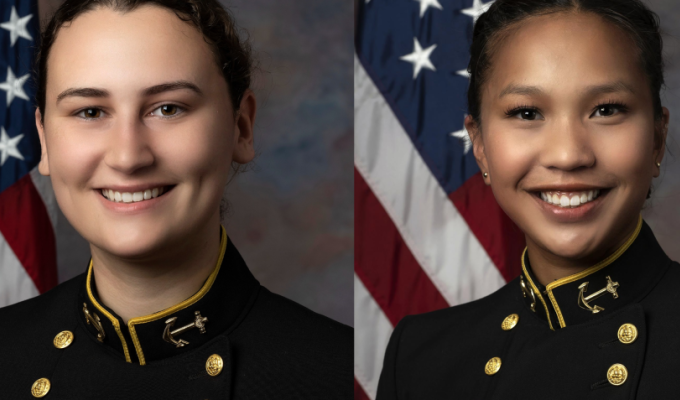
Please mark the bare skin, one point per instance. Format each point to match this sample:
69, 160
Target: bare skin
570, 111
147, 256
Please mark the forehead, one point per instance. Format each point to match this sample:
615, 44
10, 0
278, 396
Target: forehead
111, 49
565, 51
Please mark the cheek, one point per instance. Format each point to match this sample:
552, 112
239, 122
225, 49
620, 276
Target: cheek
73, 158
627, 153
508, 155
199, 152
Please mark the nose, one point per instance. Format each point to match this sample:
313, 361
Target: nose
128, 148
567, 146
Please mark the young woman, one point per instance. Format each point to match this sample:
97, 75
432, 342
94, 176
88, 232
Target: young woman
568, 129
143, 107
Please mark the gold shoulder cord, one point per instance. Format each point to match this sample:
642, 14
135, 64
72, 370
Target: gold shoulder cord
589, 271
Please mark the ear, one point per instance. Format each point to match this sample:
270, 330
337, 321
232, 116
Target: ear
44, 165
660, 134
477, 146
244, 151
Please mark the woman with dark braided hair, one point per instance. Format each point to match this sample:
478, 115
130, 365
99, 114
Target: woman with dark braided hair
144, 108
568, 130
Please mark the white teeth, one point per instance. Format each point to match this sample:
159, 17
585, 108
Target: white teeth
571, 199
127, 197
564, 201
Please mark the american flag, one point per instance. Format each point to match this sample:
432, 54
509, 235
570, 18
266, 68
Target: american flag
428, 231
27, 244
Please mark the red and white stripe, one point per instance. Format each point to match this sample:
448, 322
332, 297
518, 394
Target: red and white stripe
416, 249
28, 262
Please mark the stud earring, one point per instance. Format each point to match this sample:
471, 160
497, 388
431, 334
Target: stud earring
486, 175
658, 164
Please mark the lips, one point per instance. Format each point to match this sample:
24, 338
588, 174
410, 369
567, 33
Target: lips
562, 206
134, 196
569, 199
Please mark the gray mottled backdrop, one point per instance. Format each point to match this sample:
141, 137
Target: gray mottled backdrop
291, 215
662, 211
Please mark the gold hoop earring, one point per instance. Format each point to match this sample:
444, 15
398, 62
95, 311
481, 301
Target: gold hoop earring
486, 175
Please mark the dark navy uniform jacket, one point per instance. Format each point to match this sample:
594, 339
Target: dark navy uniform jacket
255, 345
615, 337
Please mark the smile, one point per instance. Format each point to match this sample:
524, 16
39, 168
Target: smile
134, 197
569, 199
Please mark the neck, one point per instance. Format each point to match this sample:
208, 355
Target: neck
137, 287
549, 267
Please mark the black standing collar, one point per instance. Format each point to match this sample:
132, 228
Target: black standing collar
624, 277
217, 307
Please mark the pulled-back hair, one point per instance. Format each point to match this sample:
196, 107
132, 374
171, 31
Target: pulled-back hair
632, 16
232, 55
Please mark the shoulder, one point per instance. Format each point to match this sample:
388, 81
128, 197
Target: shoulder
462, 320
45, 309
421, 341
292, 321
284, 344
663, 298
28, 329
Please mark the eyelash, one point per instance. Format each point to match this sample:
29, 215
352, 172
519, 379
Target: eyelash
515, 110
180, 109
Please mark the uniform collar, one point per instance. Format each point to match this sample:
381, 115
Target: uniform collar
624, 277
217, 307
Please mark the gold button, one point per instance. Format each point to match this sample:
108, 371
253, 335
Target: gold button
214, 365
492, 366
627, 333
63, 339
617, 374
510, 322
40, 387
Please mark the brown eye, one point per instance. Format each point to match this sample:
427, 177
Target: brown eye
168, 110
528, 114
92, 113
608, 110
605, 111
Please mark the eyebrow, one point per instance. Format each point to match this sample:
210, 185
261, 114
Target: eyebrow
150, 91
618, 86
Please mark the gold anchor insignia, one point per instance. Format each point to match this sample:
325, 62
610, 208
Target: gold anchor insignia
583, 301
528, 291
168, 336
95, 321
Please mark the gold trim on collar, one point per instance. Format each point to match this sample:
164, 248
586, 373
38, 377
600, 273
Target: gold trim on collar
536, 291
186, 303
591, 270
161, 314
114, 320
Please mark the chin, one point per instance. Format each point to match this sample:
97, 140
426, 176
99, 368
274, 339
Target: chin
574, 246
134, 243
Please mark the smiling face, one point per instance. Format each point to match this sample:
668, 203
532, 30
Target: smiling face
139, 131
568, 134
